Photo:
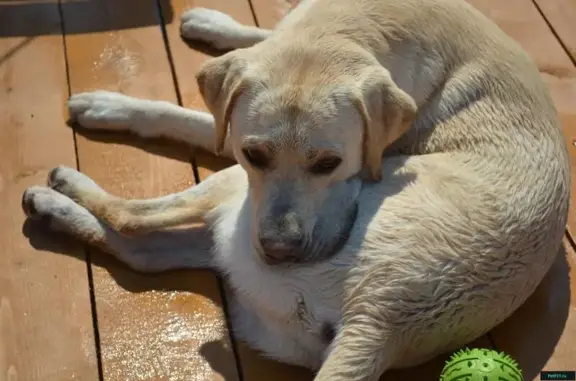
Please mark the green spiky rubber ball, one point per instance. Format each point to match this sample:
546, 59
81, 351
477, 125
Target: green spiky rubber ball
481, 365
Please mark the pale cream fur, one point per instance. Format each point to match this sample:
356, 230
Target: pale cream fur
449, 233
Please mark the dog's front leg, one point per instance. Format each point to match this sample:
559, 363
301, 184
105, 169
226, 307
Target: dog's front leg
104, 110
359, 352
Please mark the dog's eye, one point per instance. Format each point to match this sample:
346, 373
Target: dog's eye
325, 165
256, 158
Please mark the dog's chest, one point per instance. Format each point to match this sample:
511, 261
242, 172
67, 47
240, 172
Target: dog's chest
288, 296
273, 293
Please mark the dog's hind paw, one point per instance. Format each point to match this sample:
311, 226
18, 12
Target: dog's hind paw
47, 205
60, 213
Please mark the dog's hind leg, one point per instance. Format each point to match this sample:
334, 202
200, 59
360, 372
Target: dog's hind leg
131, 217
219, 30
103, 110
358, 352
153, 252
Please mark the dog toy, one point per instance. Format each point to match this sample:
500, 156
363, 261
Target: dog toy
480, 364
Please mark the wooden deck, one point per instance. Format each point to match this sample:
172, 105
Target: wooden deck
70, 313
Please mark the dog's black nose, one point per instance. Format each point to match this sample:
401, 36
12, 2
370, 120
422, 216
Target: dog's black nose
281, 250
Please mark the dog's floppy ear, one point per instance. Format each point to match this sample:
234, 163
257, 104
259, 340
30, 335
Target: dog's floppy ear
387, 112
221, 81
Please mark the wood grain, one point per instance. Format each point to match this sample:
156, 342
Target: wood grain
187, 60
46, 330
521, 20
269, 12
164, 327
561, 15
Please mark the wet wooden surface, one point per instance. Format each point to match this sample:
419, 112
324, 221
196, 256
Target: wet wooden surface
163, 327
172, 326
46, 330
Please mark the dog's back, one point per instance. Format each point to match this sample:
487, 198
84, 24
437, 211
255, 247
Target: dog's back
459, 67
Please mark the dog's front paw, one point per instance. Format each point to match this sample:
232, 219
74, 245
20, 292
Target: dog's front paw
71, 183
104, 110
209, 26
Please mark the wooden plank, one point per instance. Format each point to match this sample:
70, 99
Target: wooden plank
561, 15
164, 327
515, 17
541, 334
185, 59
269, 12
26, 7
46, 329
521, 20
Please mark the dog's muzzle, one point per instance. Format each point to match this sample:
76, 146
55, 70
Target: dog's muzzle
275, 251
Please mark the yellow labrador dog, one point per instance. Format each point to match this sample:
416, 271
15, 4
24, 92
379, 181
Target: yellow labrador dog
402, 185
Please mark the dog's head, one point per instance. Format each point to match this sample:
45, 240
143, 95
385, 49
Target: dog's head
308, 127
